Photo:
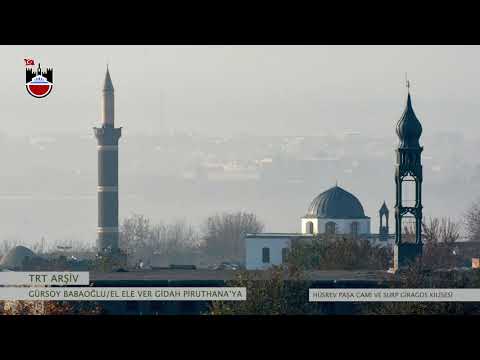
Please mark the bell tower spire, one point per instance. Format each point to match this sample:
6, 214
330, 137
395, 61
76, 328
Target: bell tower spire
408, 181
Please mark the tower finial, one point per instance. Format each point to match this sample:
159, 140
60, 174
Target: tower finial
107, 84
407, 83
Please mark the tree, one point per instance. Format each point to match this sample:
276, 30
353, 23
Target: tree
224, 234
50, 308
276, 291
176, 243
418, 276
141, 240
330, 252
439, 237
472, 222
6, 246
443, 230
134, 232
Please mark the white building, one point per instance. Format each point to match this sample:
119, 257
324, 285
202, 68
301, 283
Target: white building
264, 250
335, 211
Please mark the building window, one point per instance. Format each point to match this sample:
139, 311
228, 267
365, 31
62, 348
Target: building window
265, 255
284, 255
330, 228
309, 227
354, 228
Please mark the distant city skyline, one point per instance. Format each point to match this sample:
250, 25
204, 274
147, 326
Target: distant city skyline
344, 100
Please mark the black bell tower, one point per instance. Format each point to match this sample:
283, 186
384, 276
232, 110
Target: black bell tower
408, 180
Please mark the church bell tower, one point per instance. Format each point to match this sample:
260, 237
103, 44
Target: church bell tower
408, 180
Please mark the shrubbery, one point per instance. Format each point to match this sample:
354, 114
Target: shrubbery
276, 291
338, 253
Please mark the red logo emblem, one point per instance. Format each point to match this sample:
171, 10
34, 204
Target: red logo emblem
39, 84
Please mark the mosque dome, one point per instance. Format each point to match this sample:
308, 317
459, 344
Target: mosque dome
15, 257
409, 128
336, 203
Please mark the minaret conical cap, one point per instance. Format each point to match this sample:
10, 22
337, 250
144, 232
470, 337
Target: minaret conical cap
107, 84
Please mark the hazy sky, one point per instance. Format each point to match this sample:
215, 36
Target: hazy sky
251, 89
227, 90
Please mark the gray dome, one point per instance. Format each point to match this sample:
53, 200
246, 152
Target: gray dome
336, 203
15, 257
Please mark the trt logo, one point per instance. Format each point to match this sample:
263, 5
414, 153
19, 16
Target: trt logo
39, 83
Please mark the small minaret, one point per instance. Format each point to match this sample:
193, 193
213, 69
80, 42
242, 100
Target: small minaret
408, 180
383, 230
107, 136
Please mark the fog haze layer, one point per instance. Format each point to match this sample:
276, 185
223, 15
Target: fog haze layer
214, 128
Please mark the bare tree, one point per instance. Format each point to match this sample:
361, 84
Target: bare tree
472, 222
168, 243
135, 232
440, 236
408, 234
6, 246
443, 230
224, 234
178, 242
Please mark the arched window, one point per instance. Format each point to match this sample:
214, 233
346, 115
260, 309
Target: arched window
354, 228
309, 227
409, 191
284, 254
330, 228
266, 255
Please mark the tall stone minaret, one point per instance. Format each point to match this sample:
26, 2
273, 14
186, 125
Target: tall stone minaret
107, 136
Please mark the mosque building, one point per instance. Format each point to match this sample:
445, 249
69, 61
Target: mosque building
338, 212
334, 212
